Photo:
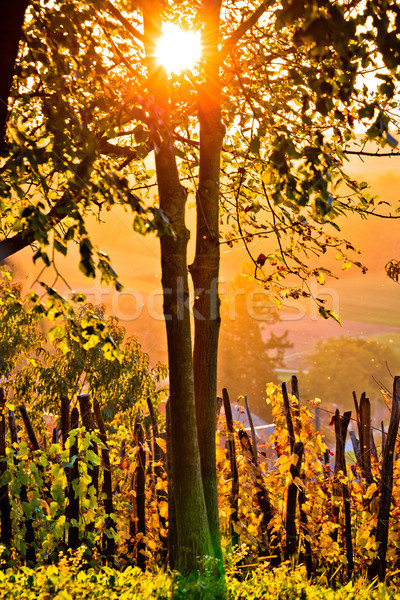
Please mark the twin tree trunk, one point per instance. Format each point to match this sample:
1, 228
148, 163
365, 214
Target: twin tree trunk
192, 377
205, 269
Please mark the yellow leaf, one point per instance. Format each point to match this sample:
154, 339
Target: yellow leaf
163, 508
162, 444
266, 177
370, 491
251, 528
152, 545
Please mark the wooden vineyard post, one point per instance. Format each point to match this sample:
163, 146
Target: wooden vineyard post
384, 436
13, 427
365, 441
291, 533
234, 470
108, 542
29, 429
159, 474
288, 414
378, 567
363, 413
65, 419
302, 497
5, 506
89, 424
295, 392
253, 431
341, 489
374, 451
29, 532
140, 494
356, 445
262, 497
56, 440
73, 476
172, 531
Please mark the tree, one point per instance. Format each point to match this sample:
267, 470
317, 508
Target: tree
342, 365
246, 360
271, 107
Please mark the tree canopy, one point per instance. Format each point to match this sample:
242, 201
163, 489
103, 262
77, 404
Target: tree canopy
82, 122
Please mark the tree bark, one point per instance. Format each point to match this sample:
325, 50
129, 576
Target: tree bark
205, 269
193, 535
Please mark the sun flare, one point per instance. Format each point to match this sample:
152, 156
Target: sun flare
177, 49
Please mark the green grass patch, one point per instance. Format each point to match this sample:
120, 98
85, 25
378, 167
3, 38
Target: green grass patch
64, 582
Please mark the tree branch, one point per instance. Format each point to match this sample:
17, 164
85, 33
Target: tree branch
105, 147
124, 21
377, 154
243, 28
24, 238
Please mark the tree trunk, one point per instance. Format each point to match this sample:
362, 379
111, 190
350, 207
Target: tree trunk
205, 269
193, 535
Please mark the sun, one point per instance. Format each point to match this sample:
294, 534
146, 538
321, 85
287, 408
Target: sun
177, 49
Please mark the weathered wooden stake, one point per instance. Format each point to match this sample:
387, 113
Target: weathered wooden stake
291, 504
65, 419
5, 505
89, 424
28, 427
341, 426
140, 494
262, 498
378, 567
108, 542
159, 459
288, 414
73, 476
234, 497
253, 431
295, 392
29, 537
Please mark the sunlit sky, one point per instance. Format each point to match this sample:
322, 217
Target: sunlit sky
178, 49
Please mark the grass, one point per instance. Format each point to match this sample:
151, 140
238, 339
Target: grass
66, 582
